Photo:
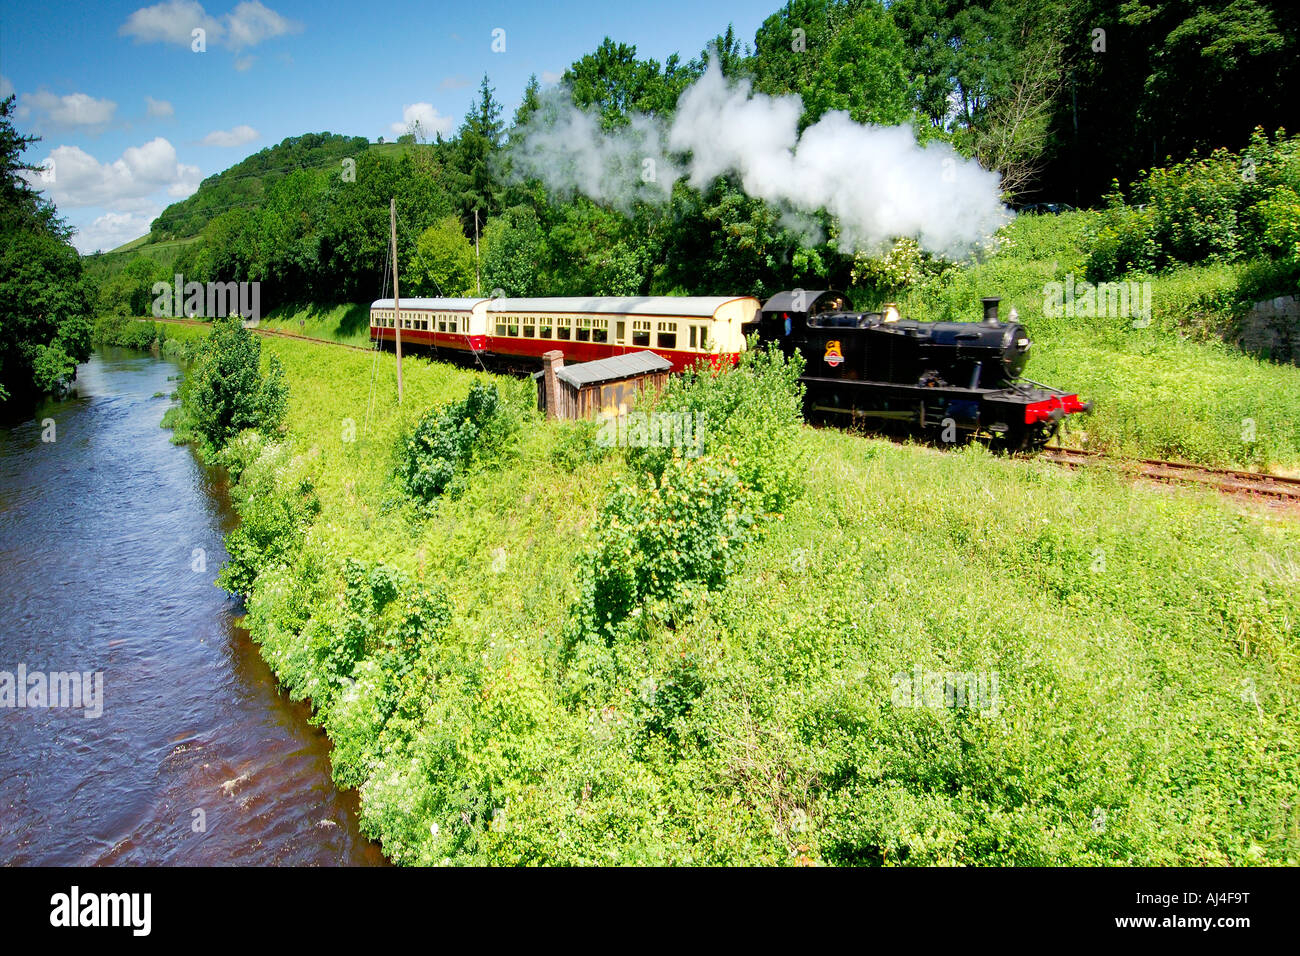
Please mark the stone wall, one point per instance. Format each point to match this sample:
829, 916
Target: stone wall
1271, 329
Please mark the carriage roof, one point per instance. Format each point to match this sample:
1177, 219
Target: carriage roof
432, 304
689, 306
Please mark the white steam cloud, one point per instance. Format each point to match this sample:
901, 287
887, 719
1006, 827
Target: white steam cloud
876, 181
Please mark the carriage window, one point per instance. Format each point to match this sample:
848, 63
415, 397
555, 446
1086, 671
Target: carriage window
704, 338
667, 335
641, 332
513, 326
501, 325
544, 327
584, 328
620, 332
563, 327
452, 323
530, 326
442, 322
600, 330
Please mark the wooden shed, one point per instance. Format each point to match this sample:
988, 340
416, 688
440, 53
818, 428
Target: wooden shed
588, 388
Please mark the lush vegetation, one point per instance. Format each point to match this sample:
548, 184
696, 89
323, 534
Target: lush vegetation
619, 655
249, 181
443, 448
1222, 208
767, 643
45, 300
225, 391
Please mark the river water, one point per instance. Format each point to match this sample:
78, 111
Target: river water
110, 538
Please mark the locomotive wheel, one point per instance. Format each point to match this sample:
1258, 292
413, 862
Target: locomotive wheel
1027, 440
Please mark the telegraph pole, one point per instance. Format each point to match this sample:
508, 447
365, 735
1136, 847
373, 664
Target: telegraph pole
397, 324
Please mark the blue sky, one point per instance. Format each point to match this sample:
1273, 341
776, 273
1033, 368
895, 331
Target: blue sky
132, 118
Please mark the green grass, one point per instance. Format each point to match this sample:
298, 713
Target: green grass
105, 264
348, 324
1143, 642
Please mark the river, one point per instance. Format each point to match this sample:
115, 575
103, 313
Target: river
110, 538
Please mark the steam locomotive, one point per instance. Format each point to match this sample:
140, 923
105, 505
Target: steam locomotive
953, 381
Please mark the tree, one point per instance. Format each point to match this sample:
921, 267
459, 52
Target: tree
45, 299
225, 391
1013, 135
514, 251
474, 157
442, 262
529, 104
862, 71
618, 84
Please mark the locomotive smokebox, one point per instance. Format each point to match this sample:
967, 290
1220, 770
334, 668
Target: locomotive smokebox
991, 309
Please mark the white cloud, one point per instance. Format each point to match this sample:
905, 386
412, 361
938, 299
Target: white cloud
249, 24
159, 109
457, 82
230, 137
73, 110
170, 22
120, 186
550, 76
113, 229
6, 88
244, 62
430, 120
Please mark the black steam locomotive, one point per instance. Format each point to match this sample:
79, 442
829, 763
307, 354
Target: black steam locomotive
953, 381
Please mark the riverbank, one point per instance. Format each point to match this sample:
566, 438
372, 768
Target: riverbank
1135, 649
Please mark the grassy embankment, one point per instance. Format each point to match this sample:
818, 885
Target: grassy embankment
347, 324
1142, 641
1173, 389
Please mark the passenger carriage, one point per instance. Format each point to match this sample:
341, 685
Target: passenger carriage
683, 329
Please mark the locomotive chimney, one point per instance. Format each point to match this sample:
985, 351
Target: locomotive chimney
991, 309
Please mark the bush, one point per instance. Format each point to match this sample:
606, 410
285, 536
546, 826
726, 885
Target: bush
576, 445
660, 546
128, 333
448, 440
1125, 242
225, 391
276, 500
1196, 204
751, 414
1214, 209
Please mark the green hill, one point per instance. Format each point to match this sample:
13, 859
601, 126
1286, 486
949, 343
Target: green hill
246, 182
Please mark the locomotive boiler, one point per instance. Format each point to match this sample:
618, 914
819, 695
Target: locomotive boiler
951, 381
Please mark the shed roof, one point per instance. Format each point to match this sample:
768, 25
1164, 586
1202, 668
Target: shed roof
694, 306
610, 369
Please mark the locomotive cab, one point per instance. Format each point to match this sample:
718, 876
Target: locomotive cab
785, 316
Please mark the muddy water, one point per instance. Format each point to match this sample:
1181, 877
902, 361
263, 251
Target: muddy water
110, 538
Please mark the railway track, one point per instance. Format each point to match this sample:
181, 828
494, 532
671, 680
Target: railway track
1245, 484
275, 332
